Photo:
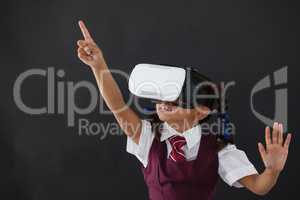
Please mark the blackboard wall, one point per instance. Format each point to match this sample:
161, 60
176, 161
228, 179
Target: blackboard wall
242, 41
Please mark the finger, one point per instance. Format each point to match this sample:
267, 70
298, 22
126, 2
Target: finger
280, 137
88, 50
82, 43
85, 31
81, 51
87, 46
268, 136
275, 133
287, 141
83, 55
262, 150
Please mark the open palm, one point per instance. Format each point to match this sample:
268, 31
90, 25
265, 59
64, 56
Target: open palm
275, 154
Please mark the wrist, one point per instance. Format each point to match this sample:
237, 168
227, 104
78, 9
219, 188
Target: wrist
272, 172
99, 66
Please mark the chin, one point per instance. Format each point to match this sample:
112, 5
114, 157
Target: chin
163, 117
168, 117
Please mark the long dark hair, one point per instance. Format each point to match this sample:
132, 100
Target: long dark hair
212, 104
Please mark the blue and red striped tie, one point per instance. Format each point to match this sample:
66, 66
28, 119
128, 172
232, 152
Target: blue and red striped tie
177, 142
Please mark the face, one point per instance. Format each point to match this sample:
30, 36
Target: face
171, 113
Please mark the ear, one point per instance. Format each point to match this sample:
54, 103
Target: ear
202, 112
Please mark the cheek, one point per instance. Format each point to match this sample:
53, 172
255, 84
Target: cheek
184, 113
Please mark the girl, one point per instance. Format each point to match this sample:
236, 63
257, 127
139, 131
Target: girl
179, 160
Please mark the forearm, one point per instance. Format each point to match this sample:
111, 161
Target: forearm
111, 93
90, 54
108, 88
261, 184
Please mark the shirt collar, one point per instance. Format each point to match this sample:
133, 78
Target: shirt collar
192, 136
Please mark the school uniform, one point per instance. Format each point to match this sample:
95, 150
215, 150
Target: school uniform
171, 177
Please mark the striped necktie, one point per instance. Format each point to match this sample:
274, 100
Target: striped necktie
177, 142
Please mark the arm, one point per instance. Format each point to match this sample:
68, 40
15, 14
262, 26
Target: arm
90, 54
274, 158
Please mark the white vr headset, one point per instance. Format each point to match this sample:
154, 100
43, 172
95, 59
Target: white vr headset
186, 86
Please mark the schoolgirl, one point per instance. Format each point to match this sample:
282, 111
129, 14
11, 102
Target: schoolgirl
180, 160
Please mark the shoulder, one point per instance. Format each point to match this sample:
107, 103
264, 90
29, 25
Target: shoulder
142, 149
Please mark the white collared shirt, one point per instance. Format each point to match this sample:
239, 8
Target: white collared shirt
192, 138
233, 163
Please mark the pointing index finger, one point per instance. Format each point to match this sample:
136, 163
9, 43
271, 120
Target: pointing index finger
85, 31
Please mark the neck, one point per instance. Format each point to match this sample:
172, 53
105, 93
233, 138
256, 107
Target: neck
183, 125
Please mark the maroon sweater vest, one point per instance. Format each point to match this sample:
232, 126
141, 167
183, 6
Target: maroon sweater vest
187, 180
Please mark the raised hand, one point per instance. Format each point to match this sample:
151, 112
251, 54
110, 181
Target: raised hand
88, 51
275, 154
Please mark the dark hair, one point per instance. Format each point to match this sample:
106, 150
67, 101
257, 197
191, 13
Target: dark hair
211, 103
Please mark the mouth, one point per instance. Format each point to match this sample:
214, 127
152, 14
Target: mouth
163, 107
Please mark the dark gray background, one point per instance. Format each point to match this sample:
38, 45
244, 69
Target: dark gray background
243, 40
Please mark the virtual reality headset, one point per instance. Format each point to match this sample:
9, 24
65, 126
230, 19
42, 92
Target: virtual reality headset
185, 86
